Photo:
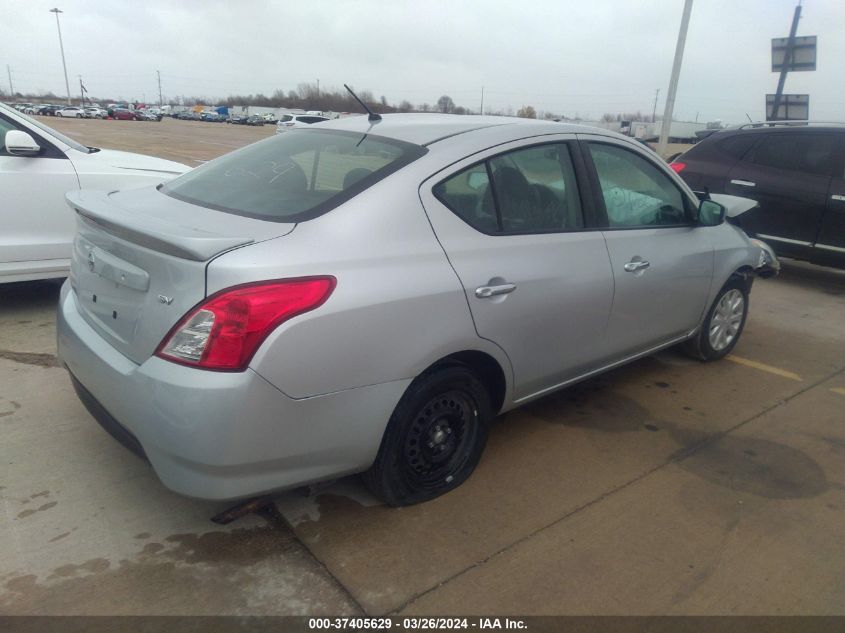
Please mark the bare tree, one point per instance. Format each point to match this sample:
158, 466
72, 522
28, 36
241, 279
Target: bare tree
527, 112
445, 104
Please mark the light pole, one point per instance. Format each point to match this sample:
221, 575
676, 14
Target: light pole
62, 48
673, 80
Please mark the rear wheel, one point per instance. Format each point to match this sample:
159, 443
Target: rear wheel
724, 323
434, 439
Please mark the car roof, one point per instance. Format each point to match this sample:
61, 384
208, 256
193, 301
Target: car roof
425, 129
765, 129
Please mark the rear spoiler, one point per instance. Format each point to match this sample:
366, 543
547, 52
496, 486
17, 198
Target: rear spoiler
170, 238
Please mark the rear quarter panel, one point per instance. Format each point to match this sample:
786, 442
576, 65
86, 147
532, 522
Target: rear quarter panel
397, 308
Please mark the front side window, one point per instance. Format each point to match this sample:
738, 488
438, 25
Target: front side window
533, 190
293, 177
807, 153
636, 193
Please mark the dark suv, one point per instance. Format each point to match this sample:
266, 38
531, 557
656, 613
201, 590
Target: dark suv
795, 172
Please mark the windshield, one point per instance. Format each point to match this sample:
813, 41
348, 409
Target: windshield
56, 135
293, 177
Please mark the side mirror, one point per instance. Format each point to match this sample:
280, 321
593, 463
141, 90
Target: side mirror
710, 213
21, 144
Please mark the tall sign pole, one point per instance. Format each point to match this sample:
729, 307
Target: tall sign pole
673, 80
787, 58
62, 48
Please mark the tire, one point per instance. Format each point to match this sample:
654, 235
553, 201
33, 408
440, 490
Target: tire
78, 116
724, 323
434, 438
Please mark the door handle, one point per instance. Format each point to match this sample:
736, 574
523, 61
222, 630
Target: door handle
632, 267
744, 183
482, 292
836, 196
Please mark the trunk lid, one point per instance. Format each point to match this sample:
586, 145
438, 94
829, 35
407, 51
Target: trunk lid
139, 261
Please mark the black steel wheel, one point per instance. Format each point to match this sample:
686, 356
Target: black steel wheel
434, 439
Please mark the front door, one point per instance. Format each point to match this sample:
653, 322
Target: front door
662, 263
37, 223
536, 275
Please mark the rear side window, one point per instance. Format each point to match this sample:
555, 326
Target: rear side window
737, 146
311, 119
532, 190
807, 153
295, 176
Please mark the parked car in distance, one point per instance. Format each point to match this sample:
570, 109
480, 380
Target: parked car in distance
49, 110
208, 115
146, 115
71, 111
254, 120
124, 114
292, 121
237, 119
38, 165
95, 113
541, 253
796, 172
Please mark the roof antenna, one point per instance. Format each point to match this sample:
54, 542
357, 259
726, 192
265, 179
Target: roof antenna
373, 116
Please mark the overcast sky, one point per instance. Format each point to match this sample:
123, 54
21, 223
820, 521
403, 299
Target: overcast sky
570, 57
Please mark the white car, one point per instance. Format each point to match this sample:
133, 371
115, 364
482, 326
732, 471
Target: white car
37, 167
92, 112
291, 121
71, 111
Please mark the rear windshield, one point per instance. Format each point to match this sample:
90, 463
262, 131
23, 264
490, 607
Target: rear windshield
294, 176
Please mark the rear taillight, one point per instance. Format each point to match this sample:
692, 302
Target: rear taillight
677, 167
224, 331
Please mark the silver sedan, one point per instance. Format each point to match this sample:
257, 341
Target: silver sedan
367, 296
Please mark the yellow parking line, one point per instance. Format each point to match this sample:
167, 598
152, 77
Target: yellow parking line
839, 390
763, 367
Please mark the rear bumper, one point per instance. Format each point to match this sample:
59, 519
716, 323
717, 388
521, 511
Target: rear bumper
216, 435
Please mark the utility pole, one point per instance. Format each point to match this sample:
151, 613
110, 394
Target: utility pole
673, 80
482, 100
160, 100
318, 87
654, 110
11, 89
787, 58
62, 48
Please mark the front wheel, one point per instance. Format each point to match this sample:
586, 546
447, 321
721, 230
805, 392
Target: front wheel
434, 438
724, 323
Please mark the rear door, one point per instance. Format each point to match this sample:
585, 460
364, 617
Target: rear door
830, 243
662, 263
789, 174
519, 233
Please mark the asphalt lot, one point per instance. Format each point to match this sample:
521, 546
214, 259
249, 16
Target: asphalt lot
664, 487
